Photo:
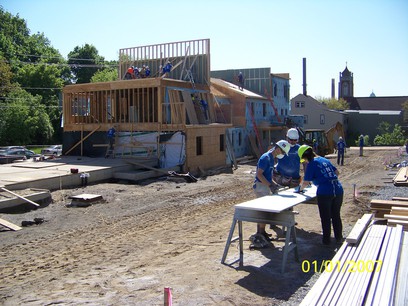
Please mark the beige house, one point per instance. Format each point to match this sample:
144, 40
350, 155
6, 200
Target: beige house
316, 115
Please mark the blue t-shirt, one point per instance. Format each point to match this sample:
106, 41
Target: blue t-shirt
265, 163
322, 173
289, 165
340, 146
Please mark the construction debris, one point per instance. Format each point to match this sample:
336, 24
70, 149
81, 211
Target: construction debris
401, 178
187, 177
9, 225
84, 200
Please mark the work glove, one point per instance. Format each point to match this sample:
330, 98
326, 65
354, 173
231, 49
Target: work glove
297, 190
274, 187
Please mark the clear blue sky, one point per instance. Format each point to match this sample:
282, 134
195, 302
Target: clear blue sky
370, 35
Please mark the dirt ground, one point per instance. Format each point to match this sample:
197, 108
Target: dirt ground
168, 233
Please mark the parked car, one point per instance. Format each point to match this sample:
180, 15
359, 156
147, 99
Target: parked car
53, 150
19, 152
9, 148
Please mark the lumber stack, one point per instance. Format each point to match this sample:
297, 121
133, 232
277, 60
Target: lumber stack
401, 178
395, 211
365, 273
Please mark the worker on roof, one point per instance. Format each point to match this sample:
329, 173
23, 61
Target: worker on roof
341, 149
240, 81
147, 71
129, 74
329, 193
286, 172
264, 183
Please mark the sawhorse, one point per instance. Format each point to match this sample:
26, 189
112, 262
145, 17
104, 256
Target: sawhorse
285, 218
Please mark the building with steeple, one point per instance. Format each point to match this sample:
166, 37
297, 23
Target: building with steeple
346, 84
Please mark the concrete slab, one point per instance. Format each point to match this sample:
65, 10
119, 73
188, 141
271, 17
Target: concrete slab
56, 174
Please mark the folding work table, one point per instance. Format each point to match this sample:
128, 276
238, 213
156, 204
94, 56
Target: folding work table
274, 209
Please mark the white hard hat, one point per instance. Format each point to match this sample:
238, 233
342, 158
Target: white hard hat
284, 145
292, 134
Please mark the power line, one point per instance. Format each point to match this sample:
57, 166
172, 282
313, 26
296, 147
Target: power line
61, 65
57, 57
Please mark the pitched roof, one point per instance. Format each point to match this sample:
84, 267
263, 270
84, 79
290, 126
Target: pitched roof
377, 103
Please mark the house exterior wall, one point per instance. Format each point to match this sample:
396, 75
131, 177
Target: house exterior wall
205, 148
316, 115
366, 123
255, 79
280, 95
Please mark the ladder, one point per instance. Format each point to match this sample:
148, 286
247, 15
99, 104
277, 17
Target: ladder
273, 105
110, 152
190, 78
255, 127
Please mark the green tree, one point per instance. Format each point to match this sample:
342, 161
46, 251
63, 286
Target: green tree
23, 120
105, 75
5, 77
332, 103
388, 137
85, 62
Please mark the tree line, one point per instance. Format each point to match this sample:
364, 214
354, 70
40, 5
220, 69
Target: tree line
32, 75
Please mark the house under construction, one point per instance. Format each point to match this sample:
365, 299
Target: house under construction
178, 116
171, 117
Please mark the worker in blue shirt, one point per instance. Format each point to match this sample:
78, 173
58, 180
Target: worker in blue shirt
341, 149
329, 193
264, 183
287, 169
361, 144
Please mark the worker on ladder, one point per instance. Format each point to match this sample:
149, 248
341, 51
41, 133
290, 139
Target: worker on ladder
111, 142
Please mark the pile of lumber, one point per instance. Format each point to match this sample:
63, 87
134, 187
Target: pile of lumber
401, 178
369, 272
394, 211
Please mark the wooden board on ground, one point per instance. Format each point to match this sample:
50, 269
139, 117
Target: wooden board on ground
9, 225
399, 199
359, 228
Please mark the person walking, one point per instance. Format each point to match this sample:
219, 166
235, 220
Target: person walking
341, 149
264, 183
287, 169
361, 144
329, 193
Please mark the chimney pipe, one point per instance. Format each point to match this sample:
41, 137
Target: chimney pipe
332, 90
304, 76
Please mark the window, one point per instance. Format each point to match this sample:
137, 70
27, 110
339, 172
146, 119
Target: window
222, 143
239, 139
322, 120
305, 119
264, 109
275, 90
300, 104
199, 145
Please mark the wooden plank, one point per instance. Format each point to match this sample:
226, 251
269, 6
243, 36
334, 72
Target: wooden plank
189, 107
383, 292
386, 203
9, 225
401, 293
399, 199
352, 283
20, 197
396, 217
359, 228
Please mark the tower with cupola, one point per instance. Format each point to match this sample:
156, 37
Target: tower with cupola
346, 84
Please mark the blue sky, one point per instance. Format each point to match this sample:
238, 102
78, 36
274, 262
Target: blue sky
370, 35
